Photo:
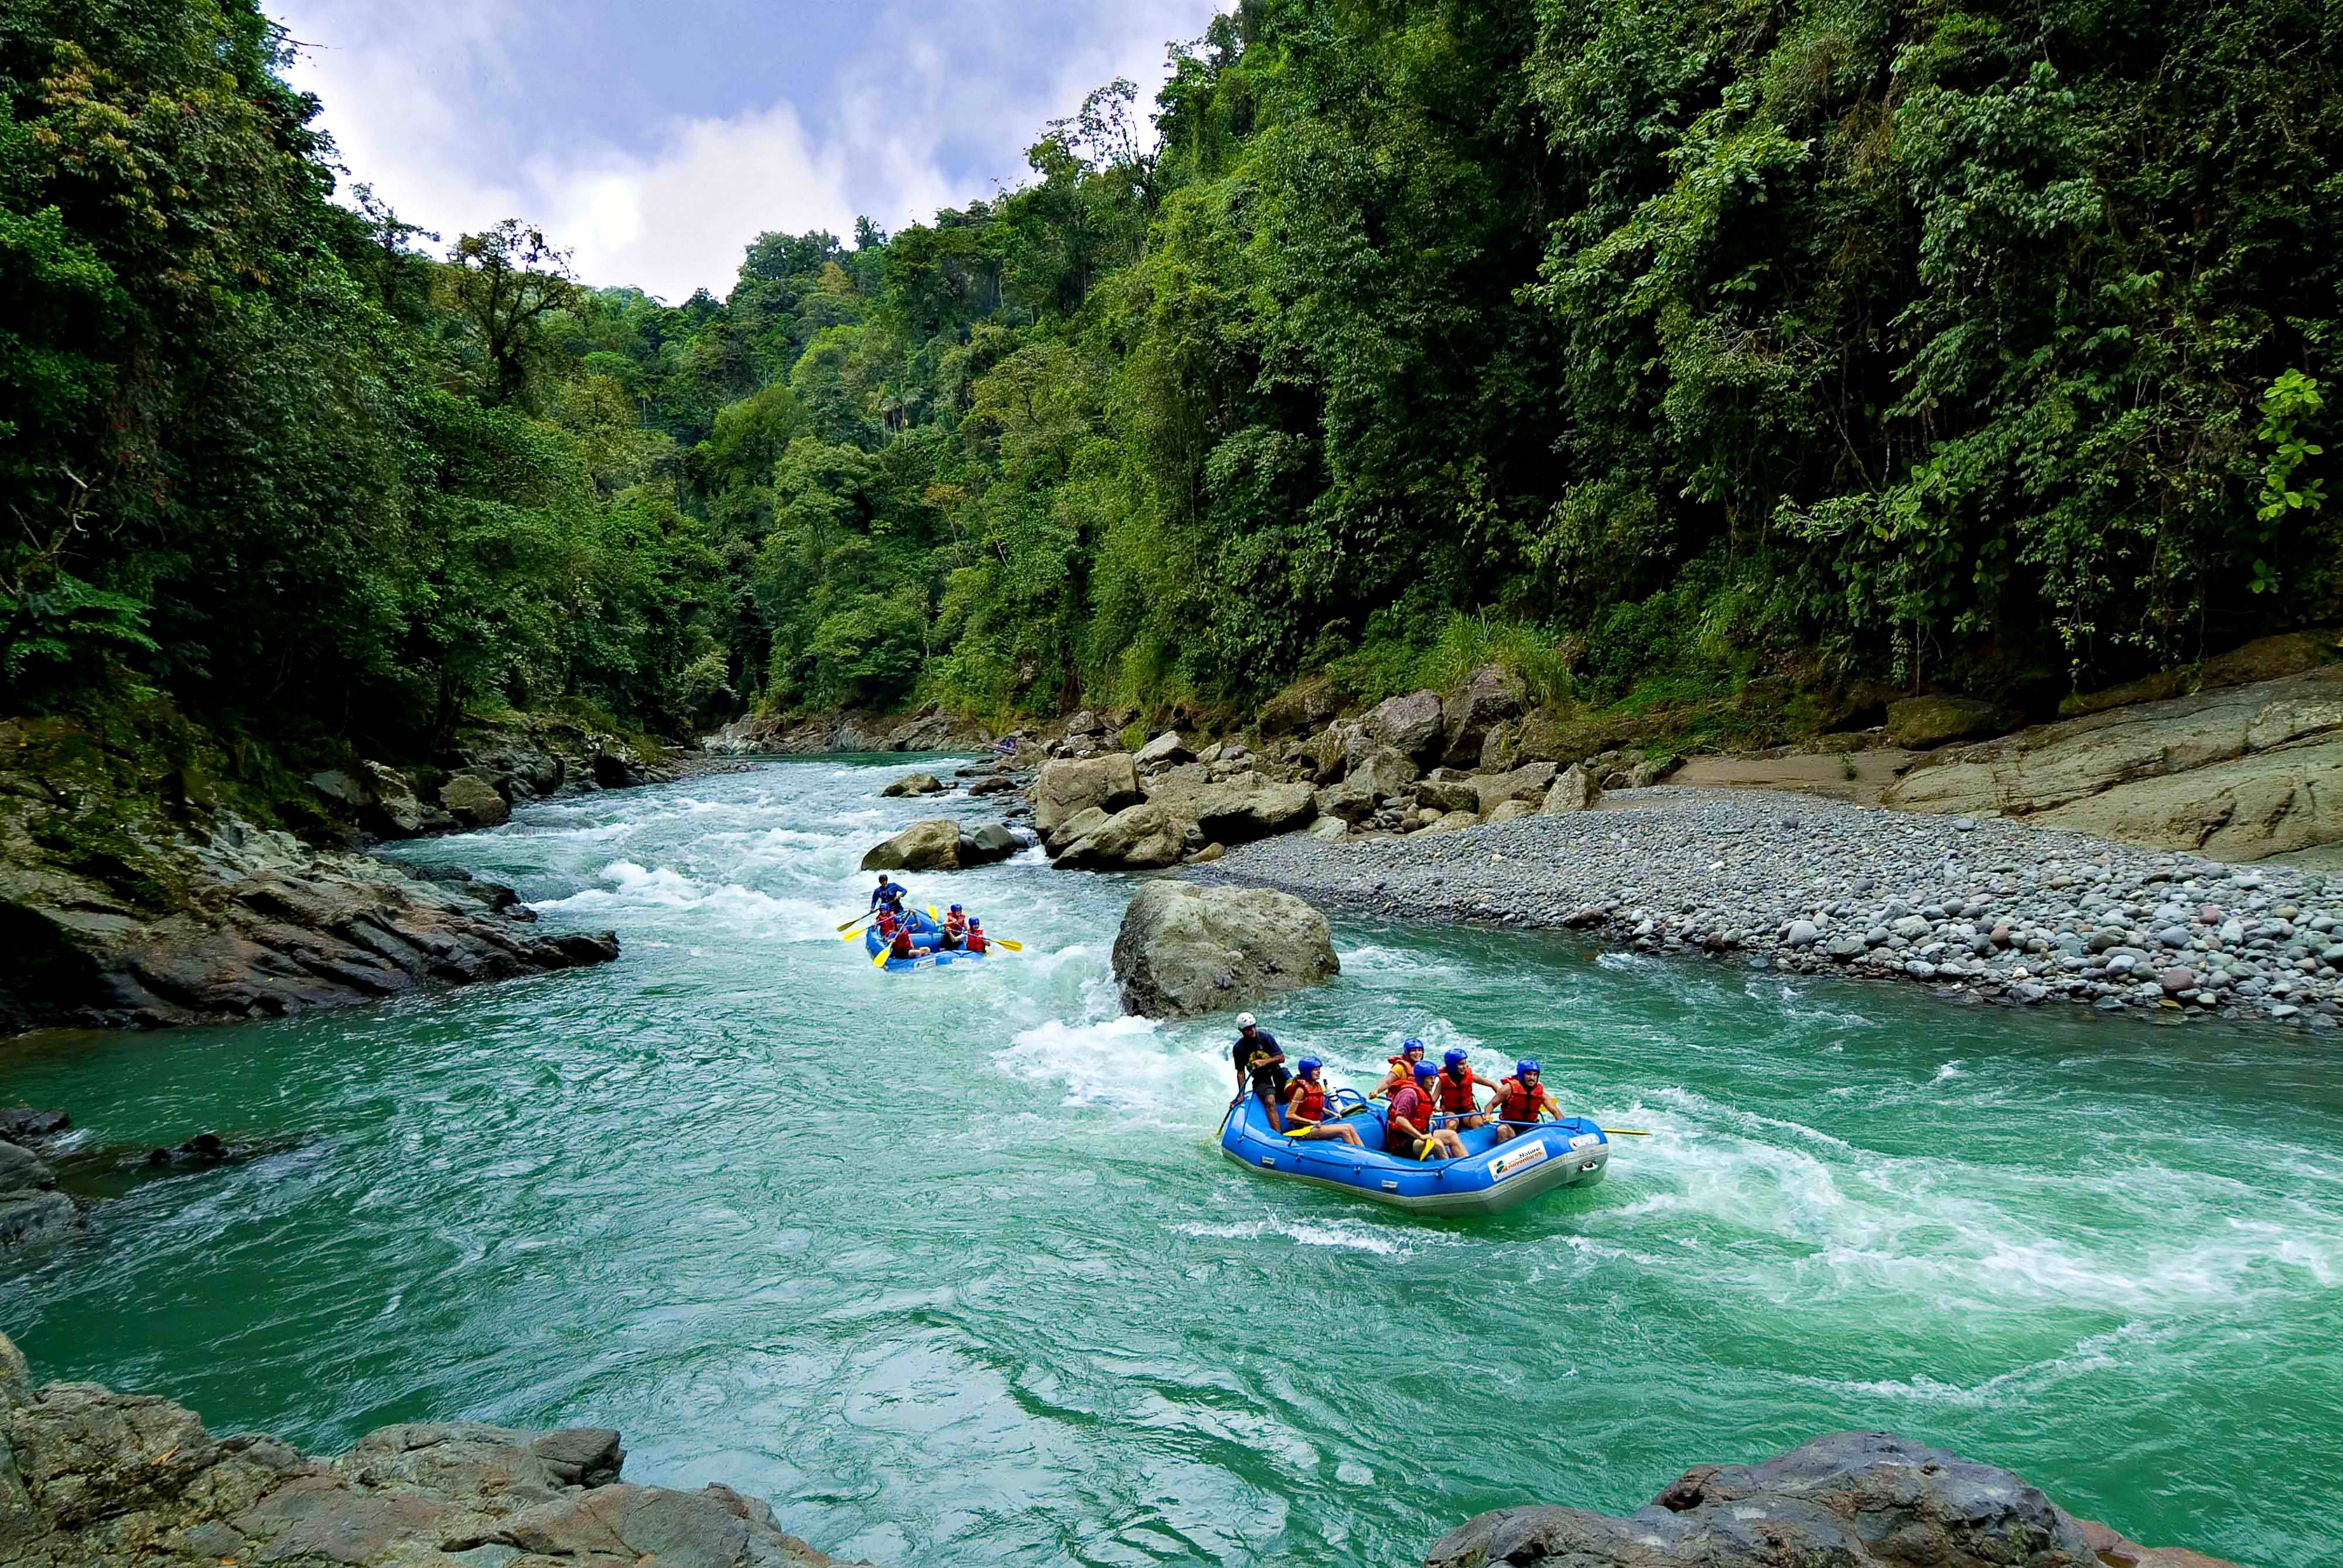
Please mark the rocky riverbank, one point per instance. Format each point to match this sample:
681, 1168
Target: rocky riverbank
89, 1476
139, 888
1977, 908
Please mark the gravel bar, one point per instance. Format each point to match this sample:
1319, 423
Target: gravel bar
1976, 908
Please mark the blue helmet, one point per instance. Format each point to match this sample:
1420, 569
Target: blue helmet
1425, 1070
1527, 1066
955, 908
1307, 1065
1410, 1043
1454, 1056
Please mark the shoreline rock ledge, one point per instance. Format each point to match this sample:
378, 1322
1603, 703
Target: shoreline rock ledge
89, 1476
1851, 1499
1185, 950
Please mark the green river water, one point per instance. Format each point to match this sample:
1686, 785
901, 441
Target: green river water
944, 1262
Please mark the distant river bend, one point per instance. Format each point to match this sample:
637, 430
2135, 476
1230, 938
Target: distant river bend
944, 1264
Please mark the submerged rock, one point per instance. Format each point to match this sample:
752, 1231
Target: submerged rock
91, 1476
1853, 1500
1185, 950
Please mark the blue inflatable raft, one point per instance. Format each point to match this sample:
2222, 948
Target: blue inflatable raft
1492, 1177
926, 938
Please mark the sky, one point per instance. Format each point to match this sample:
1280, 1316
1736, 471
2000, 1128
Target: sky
656, 140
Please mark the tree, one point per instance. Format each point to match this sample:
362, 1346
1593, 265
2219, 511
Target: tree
505, 281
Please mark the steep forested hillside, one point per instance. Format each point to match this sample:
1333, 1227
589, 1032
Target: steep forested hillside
1648, 348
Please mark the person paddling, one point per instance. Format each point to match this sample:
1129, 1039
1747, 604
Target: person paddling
955, 932
1261, 1063
1523, 1098
902, 948
1305, 1106
1454, 1092
977, 941
1405, 1132
887, 894
1402, 1068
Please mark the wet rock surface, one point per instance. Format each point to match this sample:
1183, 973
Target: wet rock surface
1851, 1500
1184, 949
89, 1476
1982, 909
229, 920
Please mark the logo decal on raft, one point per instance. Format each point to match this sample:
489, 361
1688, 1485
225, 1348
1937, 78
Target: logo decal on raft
1517, 1159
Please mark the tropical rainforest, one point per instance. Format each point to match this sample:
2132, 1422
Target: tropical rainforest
1650, 348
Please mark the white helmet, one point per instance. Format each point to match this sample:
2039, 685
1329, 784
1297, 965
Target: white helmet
1246, 1020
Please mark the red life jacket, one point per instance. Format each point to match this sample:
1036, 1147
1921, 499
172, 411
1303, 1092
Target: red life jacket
957, 925
1519, 1101
886, 923
1455, 1094
1407, 1100
903, 943
975, 939
1309, 1100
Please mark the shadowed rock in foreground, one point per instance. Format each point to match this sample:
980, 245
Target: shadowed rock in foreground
89, 1476
1850, 1500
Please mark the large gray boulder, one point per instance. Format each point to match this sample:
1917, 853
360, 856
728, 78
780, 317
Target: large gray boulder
913, 784
1064, 790
1489, 697
1850, 1500
2236, 774
1412, 725
1139, 838
1237, 815
1574, 789
989, 842
1185, 950
1166, 750
929, 845
1386, 770
1444, 790
1529, 783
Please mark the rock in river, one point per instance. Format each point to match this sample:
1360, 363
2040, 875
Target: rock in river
1852, 1500
1185, 950
929, 845
914, 784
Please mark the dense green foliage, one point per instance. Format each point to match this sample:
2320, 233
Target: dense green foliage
1640, 345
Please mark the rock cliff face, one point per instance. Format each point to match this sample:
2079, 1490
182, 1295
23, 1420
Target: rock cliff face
2237, 774
89, 1476
1852, 1500
131, 893
931, 730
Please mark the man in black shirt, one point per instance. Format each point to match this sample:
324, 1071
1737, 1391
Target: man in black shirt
1261, 1062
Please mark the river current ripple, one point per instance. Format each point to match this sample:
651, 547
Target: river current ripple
945, 1265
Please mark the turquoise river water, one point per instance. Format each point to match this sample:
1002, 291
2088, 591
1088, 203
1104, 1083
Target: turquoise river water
944, 1262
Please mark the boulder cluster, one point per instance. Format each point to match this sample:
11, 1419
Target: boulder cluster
1419, 763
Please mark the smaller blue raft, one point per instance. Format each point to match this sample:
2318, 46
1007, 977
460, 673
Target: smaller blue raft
926, 941
1492, 1177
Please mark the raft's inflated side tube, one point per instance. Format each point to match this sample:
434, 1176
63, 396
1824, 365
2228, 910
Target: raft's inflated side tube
926, 939
1492, 1177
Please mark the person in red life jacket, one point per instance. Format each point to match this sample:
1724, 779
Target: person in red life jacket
1521, 1098
1305, 1106
955, 929
975, 940
887, 922
1454, 1090
1402, 1068
902, 948
1407, 1132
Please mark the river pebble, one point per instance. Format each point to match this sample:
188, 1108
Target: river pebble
1976, 908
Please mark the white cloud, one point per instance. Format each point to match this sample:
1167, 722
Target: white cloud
430, 103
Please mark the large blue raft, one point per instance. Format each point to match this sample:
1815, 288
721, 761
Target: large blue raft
926, 939
1492, 1177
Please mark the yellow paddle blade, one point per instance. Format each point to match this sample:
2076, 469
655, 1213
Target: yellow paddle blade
879, 959
856, 920
1005, 943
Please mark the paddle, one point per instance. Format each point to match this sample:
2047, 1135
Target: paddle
1614, 1132
857, 920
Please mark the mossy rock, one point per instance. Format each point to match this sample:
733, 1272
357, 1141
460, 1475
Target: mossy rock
1920, 723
